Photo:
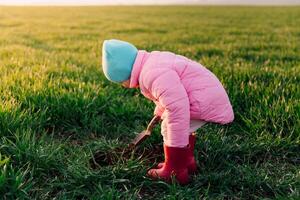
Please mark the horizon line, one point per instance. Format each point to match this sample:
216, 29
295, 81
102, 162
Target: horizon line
162, 4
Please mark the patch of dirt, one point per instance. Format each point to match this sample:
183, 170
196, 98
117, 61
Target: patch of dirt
105, 158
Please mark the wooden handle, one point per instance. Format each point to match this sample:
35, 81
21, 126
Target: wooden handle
145, 134
155, 120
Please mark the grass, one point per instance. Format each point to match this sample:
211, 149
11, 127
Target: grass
56, 107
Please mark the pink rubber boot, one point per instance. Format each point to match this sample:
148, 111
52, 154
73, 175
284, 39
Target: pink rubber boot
192, 164
175, 165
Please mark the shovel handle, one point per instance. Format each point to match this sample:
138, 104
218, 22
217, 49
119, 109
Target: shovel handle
155, 120
145, 134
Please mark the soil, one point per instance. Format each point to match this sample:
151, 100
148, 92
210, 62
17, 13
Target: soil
105, 158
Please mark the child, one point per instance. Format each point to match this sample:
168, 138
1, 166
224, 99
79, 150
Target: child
186, 94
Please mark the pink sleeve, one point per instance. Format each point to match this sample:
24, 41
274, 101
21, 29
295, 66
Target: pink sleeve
166, 87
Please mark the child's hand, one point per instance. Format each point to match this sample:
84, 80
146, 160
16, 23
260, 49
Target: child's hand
158, 111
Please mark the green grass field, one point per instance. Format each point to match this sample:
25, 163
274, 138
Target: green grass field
57, 108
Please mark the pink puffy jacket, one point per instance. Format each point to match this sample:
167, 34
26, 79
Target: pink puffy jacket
181, 89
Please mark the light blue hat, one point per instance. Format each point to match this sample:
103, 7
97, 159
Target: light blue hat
117, 59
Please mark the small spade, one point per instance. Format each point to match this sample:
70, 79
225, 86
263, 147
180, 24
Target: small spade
101, 158
142, 136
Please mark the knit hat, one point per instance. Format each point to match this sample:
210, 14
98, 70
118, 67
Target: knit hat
117, 59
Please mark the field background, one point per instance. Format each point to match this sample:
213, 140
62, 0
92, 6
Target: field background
57, 108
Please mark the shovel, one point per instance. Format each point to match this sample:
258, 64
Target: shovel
142, 136
101, 158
